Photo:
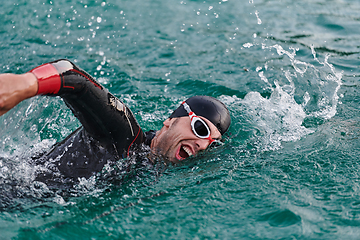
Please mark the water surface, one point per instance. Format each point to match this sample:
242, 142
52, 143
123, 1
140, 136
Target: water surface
287, 70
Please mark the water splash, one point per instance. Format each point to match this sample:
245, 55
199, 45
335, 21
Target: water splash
302, 92
324, 78
332, 83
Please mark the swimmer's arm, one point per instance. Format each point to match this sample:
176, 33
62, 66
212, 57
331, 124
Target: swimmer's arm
16, 88
102, 115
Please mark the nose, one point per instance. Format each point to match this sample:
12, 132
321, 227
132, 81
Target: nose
202, 144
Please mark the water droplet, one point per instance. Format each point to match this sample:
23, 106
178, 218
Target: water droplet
257, 16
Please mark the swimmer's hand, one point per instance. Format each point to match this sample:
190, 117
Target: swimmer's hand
16, 88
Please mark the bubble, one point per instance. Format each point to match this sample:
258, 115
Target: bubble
98, 19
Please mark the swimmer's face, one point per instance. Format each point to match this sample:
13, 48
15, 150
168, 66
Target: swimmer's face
176, 141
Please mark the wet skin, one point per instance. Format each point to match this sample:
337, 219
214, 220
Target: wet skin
16, 88
176, 140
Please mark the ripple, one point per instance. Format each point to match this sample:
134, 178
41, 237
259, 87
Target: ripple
281, 218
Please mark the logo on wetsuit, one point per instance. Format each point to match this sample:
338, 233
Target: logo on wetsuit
118, 105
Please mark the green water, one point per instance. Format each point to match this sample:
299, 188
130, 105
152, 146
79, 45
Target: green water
288, 70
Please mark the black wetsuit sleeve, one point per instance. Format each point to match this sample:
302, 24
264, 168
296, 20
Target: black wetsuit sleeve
102, 115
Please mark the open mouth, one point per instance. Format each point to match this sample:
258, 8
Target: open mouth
184, 152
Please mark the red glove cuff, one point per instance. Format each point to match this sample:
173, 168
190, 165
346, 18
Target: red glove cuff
49, 80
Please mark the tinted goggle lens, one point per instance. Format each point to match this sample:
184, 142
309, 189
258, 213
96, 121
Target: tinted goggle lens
200, 128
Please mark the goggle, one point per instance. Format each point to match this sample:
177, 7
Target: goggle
199, 126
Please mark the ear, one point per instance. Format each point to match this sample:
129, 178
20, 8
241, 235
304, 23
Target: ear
167, 122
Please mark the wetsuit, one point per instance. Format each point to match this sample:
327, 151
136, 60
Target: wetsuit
109, 129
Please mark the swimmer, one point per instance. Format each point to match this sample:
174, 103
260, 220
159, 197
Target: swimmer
109, 130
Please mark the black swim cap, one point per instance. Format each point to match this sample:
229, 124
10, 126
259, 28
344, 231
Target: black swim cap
209, 108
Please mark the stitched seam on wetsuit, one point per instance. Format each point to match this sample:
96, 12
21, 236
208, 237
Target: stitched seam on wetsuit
133, 142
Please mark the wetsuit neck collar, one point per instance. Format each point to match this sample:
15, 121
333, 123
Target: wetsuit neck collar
149, 135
